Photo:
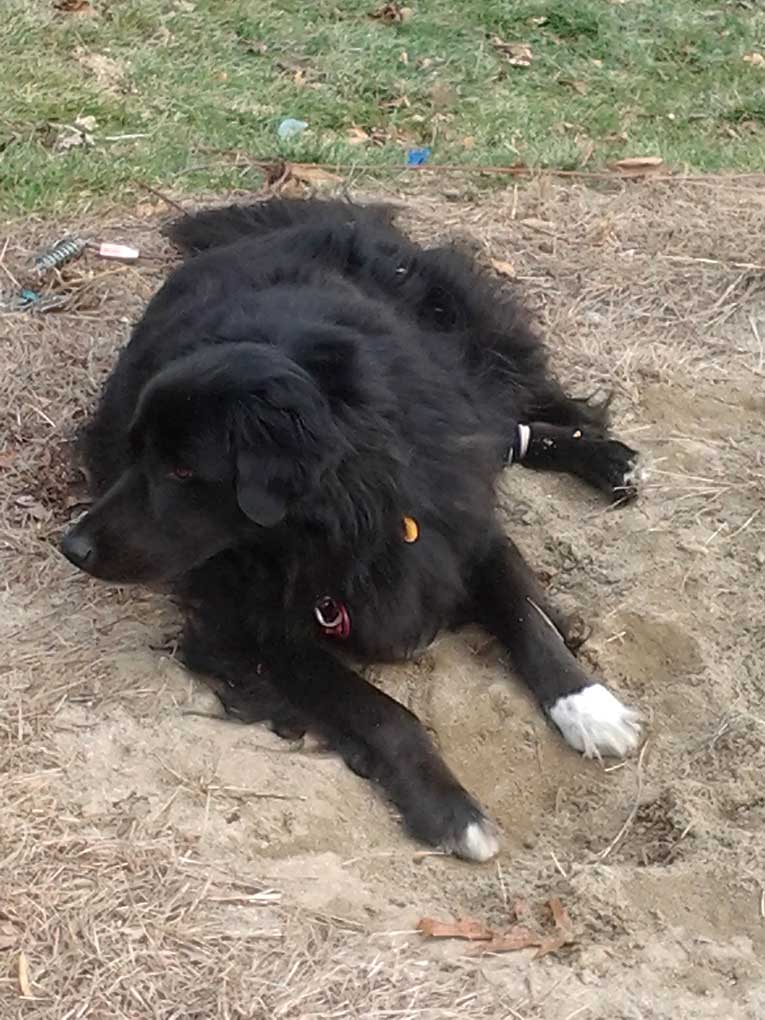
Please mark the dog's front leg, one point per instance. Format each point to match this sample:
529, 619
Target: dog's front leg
383, 741
507, 602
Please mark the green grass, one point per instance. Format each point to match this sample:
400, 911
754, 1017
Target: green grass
643, 77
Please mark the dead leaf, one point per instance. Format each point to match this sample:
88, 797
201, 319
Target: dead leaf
313, 174
511, 941
381, 136
81, 8
291, 187
586, 149
463, 928
516, 54
292, 180
398, 103
520, 937
576, 84
357, 136
562, 935
515, 938
468, 142
74, 501
33, 507
164, 36
25, 986
504, 269
559, 913
255, 46
109, 73
391, 14
755, 59
637, 166
79, 133
403, 57
145, 209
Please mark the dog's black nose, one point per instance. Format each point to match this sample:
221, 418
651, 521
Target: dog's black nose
77, 548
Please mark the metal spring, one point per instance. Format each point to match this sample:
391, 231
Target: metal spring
61, 252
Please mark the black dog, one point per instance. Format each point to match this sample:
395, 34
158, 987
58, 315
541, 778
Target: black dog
303, 437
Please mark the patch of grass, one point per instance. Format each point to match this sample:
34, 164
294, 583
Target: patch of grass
169, 81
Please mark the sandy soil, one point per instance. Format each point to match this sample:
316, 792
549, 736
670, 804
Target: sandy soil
158, 861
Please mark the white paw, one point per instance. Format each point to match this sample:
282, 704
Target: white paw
596, 723
478, 841
635, 475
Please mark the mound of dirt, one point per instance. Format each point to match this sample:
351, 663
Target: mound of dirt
158, 861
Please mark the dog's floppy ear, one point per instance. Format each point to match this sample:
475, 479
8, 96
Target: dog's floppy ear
278, 453
256, 492
283, 437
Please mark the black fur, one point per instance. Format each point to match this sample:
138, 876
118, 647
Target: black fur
318, 377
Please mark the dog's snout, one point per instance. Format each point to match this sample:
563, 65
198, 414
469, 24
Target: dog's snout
78, 548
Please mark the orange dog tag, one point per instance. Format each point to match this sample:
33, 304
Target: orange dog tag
411, 530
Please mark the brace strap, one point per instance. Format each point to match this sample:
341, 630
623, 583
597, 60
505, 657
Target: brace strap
517, 450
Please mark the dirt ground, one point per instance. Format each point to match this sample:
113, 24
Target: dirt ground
157, 861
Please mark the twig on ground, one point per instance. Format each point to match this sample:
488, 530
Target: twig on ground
631, 816
164, 198
513, 170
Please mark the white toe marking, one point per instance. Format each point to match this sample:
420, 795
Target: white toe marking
596, 723
635, 475
478, 842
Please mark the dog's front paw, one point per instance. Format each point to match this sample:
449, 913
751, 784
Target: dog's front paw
452, 821
596, 723
476, 841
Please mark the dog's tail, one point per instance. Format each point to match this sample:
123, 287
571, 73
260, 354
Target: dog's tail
213, 228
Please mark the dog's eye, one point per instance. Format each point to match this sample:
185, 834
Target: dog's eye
181, 474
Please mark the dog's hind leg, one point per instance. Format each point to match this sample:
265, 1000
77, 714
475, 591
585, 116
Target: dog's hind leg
505, 601
570, 435
604, 463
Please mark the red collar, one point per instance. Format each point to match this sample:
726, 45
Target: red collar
333, 618
332, 615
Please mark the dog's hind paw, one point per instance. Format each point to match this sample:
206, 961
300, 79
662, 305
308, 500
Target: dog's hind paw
621, 470
596, 723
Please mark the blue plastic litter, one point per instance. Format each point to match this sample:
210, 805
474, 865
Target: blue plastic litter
417, 157
290, 128
27, 300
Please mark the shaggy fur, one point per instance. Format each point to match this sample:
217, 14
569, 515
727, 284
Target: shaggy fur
304, 382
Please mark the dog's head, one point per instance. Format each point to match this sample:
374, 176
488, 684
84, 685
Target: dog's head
225, 443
